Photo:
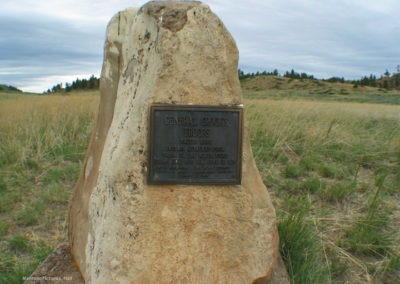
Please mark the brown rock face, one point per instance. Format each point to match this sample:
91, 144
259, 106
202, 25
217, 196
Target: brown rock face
123, 230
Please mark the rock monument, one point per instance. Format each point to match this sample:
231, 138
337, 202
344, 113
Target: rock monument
170, 192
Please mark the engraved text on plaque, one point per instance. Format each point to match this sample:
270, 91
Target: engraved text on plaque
195, 145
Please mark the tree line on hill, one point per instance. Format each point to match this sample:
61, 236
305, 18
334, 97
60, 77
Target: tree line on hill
386, 81
292, 74
92, 83
9, 88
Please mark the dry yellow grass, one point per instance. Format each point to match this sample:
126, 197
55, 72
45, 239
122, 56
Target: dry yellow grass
316, 120
332, 108
26, 108
31, 125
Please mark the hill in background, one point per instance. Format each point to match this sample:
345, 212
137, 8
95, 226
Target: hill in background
278, 87
9, 88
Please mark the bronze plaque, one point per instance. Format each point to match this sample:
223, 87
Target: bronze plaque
195, 145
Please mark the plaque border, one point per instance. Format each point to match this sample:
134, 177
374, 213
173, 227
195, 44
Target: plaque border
230, 108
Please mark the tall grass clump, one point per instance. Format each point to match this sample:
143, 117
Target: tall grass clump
43, 140
302, 251
337, 166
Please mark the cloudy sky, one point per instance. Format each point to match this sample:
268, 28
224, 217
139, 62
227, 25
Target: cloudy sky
44, 42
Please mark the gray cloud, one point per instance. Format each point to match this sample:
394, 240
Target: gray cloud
44, 42
32, 50
325, 38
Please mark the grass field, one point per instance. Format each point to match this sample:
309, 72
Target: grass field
332, 169
43, 141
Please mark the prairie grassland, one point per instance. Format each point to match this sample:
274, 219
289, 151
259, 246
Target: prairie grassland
332, 169
42, 144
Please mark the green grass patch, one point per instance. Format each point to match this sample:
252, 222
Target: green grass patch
60, 174
339, 191
3, 185
8, 201
31, 215
55, 193
369, 236
4, 226
312, 185
19, 244
301, 250
20, 258
293, 171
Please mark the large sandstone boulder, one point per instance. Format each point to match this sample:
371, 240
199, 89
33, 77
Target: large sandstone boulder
117, 32
123, 230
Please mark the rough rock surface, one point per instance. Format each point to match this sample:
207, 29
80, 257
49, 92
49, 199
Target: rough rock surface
79, 219
123, 230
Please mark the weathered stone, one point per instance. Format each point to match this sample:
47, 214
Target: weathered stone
79, 219
123, 230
